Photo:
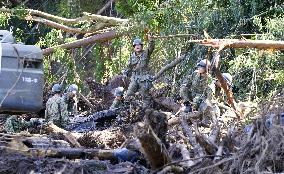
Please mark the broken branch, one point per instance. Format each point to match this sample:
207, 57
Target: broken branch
85, 17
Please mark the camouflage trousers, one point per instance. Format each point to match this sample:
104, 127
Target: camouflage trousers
143, 87
209, 113
184, 93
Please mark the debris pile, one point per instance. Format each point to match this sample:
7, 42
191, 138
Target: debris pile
154, 141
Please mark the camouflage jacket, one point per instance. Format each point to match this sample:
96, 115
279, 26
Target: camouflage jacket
15, 124
56, 111
199, 87
71, 102
117, 104
138, 64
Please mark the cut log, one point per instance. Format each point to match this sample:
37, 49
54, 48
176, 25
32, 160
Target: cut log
68, 135
44, 142
23, 142
152, 147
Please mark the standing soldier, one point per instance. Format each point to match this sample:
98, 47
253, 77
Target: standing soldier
56, 109
196, 91
118, 101
138, 65
70, 98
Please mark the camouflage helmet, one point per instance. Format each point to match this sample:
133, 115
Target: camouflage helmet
72, 88
56, 88
137, 41
203, 63
228, 77
119, 92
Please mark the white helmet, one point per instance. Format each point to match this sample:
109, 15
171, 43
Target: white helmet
228, 77
204, 63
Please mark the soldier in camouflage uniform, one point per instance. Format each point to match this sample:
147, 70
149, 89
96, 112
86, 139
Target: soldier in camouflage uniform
71, 99
16, 124
138, 65
56, 109
118, 101
197, 93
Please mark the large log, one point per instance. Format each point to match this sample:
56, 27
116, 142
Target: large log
68, 135
152, 147
69, 153
23, 142
241, 43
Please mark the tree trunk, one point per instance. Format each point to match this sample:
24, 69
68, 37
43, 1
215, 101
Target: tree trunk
152, 147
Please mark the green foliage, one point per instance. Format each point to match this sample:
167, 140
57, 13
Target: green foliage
4, 19
256, 73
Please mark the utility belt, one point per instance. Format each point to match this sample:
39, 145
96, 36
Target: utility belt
142, 77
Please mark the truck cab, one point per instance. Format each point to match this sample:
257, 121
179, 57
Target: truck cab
21, 76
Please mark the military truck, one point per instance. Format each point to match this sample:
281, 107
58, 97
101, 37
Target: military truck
21, 76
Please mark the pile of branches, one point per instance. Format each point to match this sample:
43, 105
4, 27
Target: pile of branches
234, 147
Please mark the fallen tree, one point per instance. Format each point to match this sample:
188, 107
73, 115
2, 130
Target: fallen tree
85, 17
85, 41
242, 43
